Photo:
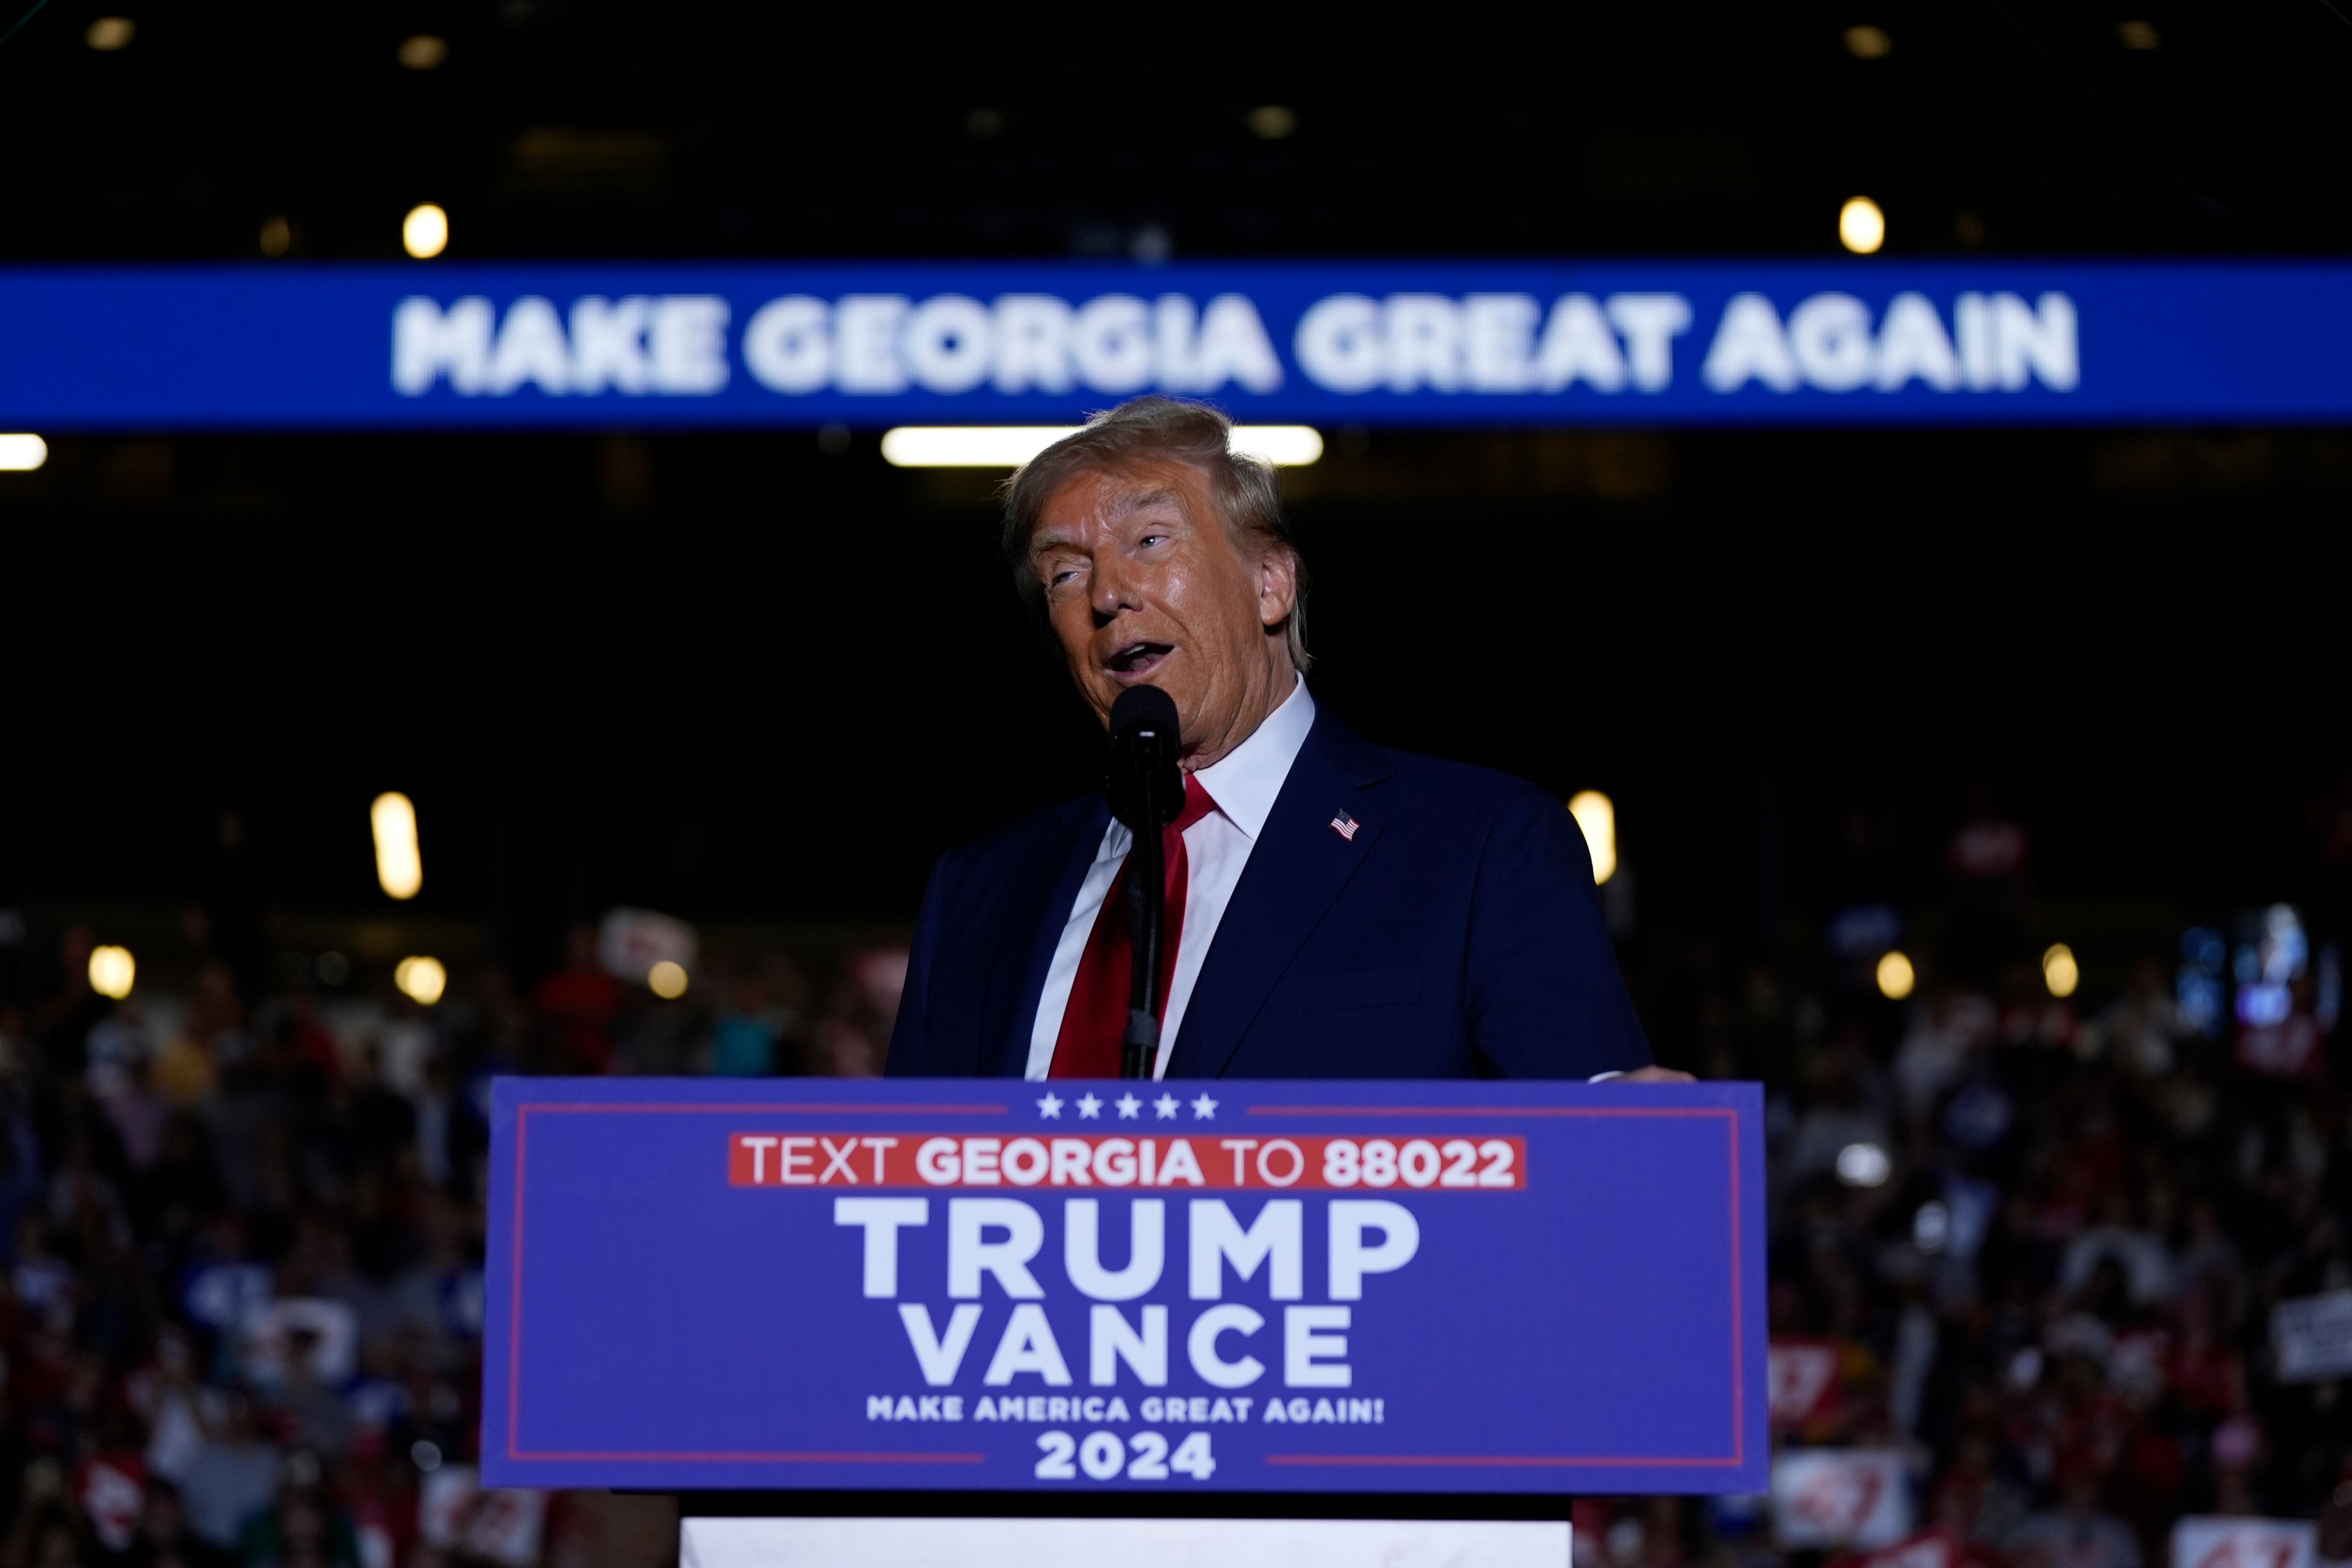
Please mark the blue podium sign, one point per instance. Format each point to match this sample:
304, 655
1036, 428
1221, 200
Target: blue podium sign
1205, 1286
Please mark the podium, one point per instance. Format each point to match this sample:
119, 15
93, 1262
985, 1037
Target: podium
844, 1311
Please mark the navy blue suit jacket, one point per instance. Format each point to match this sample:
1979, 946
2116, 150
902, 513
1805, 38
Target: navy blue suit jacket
1456, 935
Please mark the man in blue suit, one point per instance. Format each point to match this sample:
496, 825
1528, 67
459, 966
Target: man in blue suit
1334, 909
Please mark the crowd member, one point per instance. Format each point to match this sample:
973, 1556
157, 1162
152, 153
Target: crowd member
240, 1247
2049, 1287
2028, 1245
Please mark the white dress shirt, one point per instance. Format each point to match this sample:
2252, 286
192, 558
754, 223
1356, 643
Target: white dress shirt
1244, 782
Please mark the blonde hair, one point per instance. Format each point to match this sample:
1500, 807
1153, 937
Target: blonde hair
1245, 487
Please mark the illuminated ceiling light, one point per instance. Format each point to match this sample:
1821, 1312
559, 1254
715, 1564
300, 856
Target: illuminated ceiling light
2059, 970
21, 454
423, 52
1284, 446
1895, 976
112, 970
109, 34
1868, 43
666, 979
425, 232
1010, 446
968, 446
1864, 1165
422, 980
2138, 34
1596, 815
1271, 122
398, 864
277, 235
1862, 227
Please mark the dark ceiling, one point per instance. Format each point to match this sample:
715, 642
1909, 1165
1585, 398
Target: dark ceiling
570, 128
755, 675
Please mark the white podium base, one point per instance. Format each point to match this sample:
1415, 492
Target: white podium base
1127, 1542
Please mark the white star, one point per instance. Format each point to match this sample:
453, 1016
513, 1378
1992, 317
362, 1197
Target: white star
1050, 1106
1204, 1109
1128, 1107
1089, 1106
1166, 1106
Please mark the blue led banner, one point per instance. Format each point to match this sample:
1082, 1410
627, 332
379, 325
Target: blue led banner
1366, 344
1199, 1287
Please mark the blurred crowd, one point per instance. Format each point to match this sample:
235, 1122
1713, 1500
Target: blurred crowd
2026, 1239
241, 1298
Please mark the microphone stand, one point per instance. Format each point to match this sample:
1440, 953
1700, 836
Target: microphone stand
1147, 914
1146, 794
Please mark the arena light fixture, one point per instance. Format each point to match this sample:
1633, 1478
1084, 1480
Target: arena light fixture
1596, 815
422, 980
1868, 43
666, 979
1864, 1165
399, 867
1895, 976
1010, 446
109, 34
425, 232
112, 970
424, 51
2059, 970
21, 454
1272, 122
1862, 227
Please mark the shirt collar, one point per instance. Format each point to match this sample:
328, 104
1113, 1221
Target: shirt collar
1245, 781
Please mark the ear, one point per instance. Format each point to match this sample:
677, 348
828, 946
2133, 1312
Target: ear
1278, 591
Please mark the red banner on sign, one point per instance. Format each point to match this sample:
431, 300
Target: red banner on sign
1107, 1160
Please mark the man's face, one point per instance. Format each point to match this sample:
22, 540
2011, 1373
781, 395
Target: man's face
1144, 585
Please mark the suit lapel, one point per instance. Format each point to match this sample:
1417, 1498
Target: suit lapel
1296, 869
1038, 913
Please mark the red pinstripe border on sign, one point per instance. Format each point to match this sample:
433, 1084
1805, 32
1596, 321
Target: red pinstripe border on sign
1730, 1117
514, 1292
758, 1458
1499, 1461
1490, 1111
514, 1322
595, 1107
1738, 1384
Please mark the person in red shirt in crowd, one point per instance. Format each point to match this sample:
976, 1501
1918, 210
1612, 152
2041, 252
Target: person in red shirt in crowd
573, 1009
302, 1047
2203, 1371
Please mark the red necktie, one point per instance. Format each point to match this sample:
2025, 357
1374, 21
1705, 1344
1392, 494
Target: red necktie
1095, 1017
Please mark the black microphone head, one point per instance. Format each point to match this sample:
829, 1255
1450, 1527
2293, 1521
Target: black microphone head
1145, 737
1142, 707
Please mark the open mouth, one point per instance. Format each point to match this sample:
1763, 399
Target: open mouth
1138, 658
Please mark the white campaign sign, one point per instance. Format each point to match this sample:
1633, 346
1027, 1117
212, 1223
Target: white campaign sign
2313, 1337
1840, 1497
1802, 1376
455, 1513
2202, 1542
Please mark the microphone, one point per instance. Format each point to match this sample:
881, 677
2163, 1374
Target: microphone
1146, 792
1143, 746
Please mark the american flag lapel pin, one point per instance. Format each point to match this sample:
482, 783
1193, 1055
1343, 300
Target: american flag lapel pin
1345, 826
